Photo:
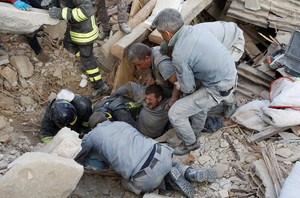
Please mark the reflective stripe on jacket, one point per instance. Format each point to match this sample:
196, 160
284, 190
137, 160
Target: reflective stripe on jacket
81, 20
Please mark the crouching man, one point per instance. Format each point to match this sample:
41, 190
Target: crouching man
142, 162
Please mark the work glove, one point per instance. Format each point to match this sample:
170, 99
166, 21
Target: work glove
22, 5
46, 3
47, 139
55, 13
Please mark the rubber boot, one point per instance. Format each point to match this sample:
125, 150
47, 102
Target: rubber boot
178, 182
100, 88
200, 175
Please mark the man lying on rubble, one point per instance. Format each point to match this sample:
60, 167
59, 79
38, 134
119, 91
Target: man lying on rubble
142, 162
81, 33
150, 118
66, 110
146, 58
31, 37
197, 55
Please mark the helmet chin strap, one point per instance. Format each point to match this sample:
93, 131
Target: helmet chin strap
74, 121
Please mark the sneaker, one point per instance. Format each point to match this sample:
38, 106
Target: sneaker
182, 149
103, 35
178, 182
99, 92
200, 175
124, 27
44, 58
229, 110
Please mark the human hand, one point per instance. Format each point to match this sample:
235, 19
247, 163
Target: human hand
46, 3
22, 5
55, 13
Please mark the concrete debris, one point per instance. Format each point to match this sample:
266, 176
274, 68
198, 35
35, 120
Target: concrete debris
3, 122
26, 101
44, 174
10, 75
261, 178
223, 193
221, 169
56, 31
23, 65
4, 59
65, 143
24, 22
284, 152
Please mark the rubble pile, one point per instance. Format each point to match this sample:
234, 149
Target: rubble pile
250, 162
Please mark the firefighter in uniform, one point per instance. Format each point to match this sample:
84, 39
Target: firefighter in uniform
81, 32
66, 110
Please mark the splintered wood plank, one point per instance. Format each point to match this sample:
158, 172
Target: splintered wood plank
124, 74
268, 132
136, 20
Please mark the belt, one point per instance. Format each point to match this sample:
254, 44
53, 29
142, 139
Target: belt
151, 161
226, 93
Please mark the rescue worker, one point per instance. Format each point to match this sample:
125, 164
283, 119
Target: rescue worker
197, 55
119, 108
31, 37
142, 162
144, 57
104, 18
81, 32
67, 110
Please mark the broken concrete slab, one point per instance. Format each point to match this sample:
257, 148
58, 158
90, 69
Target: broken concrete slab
3, 122
10, 75
26, 100
15, 21
284, 152
40, 175
65, 143
4, 59
23, 65
56, 31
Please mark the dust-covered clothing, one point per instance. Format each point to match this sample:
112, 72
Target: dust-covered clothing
83, 108
150, 122
153, 122
142, 162
229, 34
198, 55
103, 15
162, 69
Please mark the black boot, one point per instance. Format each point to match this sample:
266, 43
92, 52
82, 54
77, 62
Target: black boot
178, 182
100, 89
200, 175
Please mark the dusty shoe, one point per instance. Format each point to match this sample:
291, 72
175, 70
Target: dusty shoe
124, 27
182, 149
229, 110
103, 35
178, 182
200, 175
43, 57
99, 91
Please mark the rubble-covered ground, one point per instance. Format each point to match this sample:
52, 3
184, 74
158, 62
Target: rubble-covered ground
24, 100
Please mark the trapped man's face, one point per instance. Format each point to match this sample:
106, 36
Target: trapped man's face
152, 101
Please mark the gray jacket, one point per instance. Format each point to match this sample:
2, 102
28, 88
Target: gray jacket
226, 32
199, 55
120, 145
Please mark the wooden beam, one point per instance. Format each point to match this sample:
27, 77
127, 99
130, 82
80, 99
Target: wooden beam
136, 20
138, 34
268, 132
190, 9
124, 74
